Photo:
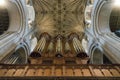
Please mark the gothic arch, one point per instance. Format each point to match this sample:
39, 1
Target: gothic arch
18, 28
19, 55
96, 55
101, 29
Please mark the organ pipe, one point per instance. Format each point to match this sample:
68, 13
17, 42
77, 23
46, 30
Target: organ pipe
67, 47
50, 47
39, 43
39, 48
59, 48
78, 48
75, 43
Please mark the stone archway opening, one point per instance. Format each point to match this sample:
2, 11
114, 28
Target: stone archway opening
4, 20
114, 21
16, 57
97, 56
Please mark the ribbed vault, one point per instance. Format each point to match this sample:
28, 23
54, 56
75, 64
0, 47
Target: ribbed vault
60, 16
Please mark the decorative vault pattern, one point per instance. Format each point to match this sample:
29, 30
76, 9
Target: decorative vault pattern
59, 16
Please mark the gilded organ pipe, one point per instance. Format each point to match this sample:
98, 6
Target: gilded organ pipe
51, 47
39, 48
39, 44
67, 47
78, 48
59, 47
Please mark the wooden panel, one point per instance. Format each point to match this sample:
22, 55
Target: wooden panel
84, 61
2, 72
78, 72
58, 72
51, 54
59, 61
53, 70
39, 61
34, 61
106, 72
47, 72
25, 70
18, 72
98, 72
64, 68
30, 72
86, 72
115, 72
39, 72
10, 72
117, 68
46, 55
69, 72
78, 61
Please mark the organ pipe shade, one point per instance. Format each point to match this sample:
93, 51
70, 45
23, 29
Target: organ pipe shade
67, 46
50, 47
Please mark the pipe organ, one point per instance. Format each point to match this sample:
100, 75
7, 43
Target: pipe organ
59, 47
40, 46
56, 54
78, 48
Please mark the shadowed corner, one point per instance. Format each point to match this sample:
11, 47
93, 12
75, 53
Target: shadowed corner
35, 55
58, 55
82, 55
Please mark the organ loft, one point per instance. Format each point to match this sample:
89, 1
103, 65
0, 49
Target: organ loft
59, 39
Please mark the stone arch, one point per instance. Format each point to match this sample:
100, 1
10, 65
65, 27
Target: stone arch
17, 56
96, 56
16, 16
101, 14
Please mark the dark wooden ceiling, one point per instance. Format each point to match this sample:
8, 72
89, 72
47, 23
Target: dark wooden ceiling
60, 16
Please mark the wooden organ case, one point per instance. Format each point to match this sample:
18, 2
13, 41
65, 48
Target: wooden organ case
59, 58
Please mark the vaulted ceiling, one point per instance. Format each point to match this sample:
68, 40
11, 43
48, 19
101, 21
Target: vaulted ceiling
60, 16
